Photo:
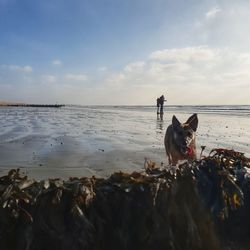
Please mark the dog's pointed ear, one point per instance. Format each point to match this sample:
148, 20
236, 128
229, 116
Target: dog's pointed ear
192, 121
175, 122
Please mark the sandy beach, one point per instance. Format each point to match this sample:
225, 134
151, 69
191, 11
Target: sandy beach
86, 141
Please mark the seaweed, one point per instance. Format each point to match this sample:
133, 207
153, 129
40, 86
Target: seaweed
202, 204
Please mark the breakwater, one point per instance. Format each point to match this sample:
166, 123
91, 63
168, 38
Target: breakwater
36, 105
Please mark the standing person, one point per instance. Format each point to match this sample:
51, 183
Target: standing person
158, 105
162, 100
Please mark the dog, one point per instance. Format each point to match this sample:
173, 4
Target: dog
179, 140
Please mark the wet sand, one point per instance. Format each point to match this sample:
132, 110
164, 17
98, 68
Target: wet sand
86, 141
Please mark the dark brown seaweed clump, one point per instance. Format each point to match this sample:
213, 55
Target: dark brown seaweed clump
202, 205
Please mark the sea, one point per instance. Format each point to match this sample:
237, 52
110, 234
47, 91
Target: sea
97, 140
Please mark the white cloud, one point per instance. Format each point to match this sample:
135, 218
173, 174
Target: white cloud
49, 79
57, 62
202, 62
76, 77
212, 13
201, 53
223, 26
17, 68
135, 67
115, 79
193, 75
189, 75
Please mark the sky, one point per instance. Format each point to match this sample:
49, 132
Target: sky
117, 52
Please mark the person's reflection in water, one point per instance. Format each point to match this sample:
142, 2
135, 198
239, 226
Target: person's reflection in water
159, 123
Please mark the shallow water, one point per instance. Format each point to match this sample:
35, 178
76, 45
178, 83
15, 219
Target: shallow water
97, 140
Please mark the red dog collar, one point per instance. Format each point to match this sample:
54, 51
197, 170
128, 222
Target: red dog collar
189, 151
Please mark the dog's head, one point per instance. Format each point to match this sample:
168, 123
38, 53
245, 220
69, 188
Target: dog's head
184, 133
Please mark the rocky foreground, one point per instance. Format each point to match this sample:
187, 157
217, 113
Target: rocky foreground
201, 205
